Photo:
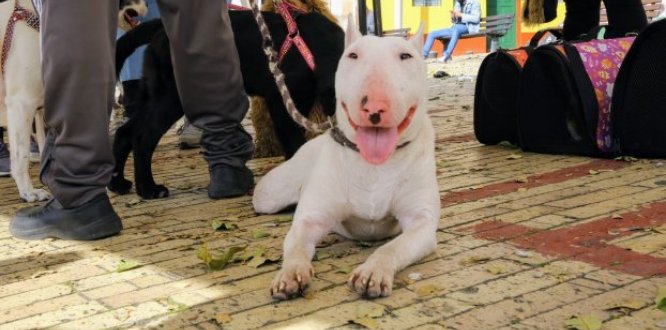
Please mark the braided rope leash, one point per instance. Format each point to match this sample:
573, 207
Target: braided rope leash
19, 14
273, 59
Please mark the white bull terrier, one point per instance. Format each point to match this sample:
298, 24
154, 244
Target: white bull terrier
372, 178
21, 95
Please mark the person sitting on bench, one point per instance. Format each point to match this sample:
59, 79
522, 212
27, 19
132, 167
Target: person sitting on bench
466, 18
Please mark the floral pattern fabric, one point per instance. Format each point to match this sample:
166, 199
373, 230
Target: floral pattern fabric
602, 60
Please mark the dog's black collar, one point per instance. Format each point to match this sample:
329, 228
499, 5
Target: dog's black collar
342, 140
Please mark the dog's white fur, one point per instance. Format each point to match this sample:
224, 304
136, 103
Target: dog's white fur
21, 95
338, 190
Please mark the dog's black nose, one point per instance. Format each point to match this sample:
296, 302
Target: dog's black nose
375, 118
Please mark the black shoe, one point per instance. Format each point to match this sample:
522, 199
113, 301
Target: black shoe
227, 181
93, 220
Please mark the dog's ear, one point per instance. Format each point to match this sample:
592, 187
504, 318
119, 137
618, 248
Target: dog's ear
352, 33
417, 38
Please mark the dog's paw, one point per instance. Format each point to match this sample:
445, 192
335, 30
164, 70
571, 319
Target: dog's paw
372, 280
154, 192
35, 195
120, 185
291, 280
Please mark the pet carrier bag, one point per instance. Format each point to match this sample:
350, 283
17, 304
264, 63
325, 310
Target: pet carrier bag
638, 110
564, 102
496, 91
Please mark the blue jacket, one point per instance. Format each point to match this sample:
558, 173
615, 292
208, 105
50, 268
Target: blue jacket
471, 14
132, 69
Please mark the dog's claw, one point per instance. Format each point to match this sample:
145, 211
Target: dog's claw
372, 280
291, 281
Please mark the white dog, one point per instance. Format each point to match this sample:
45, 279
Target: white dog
380, 185
22, 91
21, 94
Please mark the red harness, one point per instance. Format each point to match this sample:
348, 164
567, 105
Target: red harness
19, 14
293, 36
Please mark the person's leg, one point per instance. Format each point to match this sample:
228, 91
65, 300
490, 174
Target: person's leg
625, 16
457, 30
5, 163
78, 59
210, 85
581, 16
430, 40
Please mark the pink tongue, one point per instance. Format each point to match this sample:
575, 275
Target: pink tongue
376, 144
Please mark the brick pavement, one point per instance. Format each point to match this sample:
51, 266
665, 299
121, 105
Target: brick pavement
523, 244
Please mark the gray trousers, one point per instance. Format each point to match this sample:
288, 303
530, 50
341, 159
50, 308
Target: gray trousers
78, 46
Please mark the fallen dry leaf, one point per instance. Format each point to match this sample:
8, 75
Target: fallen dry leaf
473, 260
660, 299
371, 311
427, 290
514, 156
222, 318
616, 216
495, 269
133, 202
365, 322
625, 304
583, 322
125, 265
593, 172
522, 179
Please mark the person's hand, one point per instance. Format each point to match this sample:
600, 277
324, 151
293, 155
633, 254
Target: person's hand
457, 14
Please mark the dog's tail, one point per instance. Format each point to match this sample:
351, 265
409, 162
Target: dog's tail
135, 38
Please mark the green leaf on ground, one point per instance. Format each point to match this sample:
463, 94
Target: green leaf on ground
257, 234
583, 322
219, 225
126, 265
217, 262
660, 300
284, 219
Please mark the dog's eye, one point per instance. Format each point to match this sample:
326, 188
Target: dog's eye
405, 56
353, 56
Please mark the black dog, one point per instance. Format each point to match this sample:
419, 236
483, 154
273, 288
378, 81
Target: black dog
161, 106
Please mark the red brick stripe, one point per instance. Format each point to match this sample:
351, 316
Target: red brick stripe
587, 242
561, 175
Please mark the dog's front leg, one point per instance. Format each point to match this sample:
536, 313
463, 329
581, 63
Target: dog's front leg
299, 248
374, 278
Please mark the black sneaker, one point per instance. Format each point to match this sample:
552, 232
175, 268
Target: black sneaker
93, 220
227, 181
